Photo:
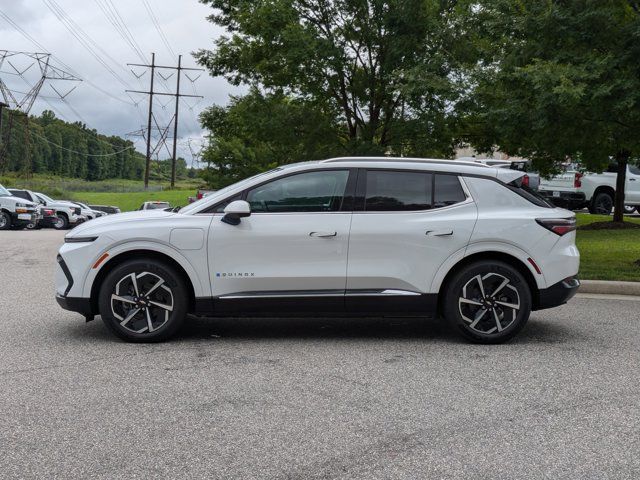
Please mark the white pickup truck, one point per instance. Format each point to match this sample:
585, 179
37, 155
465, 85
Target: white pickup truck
16, 212
596, 191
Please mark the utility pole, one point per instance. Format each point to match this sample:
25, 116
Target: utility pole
148, 160
175, 126
177, 96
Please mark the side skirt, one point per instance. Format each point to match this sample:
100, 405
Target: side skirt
317, 304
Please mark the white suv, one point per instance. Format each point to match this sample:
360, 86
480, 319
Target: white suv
348, 236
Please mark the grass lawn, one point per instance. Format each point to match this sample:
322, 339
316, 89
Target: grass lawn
133, 200
608, 254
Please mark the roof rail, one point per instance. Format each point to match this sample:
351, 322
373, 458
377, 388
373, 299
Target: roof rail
440, 161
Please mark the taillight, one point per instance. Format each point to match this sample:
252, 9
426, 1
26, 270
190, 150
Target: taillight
577, 182
559, 226
525, 180
199, 196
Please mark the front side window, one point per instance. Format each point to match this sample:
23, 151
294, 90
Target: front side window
320, 191
634, 170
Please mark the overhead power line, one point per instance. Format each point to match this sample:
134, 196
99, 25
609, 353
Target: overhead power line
26, 35
82, 153
158, 28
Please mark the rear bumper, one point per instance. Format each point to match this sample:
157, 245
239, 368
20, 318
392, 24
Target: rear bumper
568, 200
557, 294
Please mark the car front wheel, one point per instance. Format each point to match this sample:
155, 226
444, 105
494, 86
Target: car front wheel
487, 302
143, 301
62, 222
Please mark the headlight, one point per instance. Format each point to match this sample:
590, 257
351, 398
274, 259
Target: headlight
21, 205
79, 239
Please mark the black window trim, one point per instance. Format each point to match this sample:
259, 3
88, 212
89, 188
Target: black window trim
359, 205
345, 204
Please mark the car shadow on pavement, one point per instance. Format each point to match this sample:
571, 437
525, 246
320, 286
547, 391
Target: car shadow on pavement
353, 328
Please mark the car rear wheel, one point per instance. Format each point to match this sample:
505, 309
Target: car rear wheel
602, 204
487, 302
143, 301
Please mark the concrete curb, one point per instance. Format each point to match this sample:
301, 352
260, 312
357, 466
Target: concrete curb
609, 288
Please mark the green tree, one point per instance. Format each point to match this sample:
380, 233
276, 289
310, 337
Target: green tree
383, 74
559, 79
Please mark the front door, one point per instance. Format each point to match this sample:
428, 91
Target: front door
290, 254
408, 224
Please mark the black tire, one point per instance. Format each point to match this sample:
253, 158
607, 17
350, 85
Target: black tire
5, 221
482, 327
602, 204
62, 223
629, 209
173, 292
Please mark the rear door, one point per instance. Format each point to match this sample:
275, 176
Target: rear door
406, 224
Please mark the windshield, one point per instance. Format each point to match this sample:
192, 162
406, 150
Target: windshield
4, 192
44, 197
82, 205
223, 191
157, 206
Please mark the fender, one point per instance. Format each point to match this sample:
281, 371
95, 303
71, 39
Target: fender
201, 288
484, 247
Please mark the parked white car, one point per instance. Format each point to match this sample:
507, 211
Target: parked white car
359, 236
69, 214
595, 191
88, 212
16, 212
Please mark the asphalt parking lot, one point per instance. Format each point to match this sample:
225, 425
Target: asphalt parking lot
311, 398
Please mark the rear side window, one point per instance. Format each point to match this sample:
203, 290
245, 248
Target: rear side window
389, 191
397, 191
448, 191
20, 194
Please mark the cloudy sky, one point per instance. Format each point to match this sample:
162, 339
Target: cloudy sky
100, 56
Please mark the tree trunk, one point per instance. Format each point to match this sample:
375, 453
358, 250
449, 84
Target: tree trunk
622, 158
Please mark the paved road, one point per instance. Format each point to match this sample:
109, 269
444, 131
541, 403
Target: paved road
304, 399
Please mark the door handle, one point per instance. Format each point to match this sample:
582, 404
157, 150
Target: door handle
632, 179
439, 233
323, 234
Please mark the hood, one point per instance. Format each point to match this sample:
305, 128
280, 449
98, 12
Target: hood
13, 200
102, 223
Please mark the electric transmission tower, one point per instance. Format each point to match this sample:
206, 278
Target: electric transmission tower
21, 103
151, 118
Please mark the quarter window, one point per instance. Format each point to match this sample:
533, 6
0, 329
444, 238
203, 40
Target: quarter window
448, 191
319, 191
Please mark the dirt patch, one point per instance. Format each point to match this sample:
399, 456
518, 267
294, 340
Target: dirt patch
610, 226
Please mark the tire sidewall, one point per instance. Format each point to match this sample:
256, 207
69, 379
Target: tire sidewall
64, 225
172, 279
7, 218
595, 203
454, 292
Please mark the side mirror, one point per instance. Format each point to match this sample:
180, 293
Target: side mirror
235, 211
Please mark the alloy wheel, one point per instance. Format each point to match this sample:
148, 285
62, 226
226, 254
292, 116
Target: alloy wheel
3, 221
489, 303
142, 302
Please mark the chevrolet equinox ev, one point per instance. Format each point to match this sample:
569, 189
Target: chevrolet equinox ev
344, 237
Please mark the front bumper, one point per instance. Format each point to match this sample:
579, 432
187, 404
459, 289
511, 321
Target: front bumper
78, 305
557, 294
24, 218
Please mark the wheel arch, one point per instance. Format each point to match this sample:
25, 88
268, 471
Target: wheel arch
507, 258
604, 189
138, 254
